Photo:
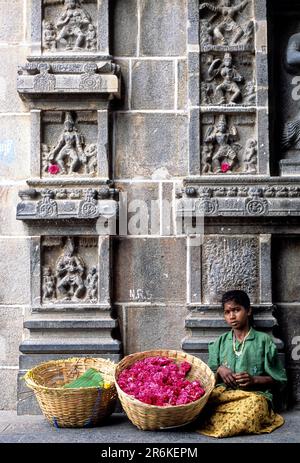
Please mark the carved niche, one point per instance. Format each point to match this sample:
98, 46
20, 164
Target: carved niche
69, 25
69, 144
69, 270
226, 23
229, 143
227, 79
229, 262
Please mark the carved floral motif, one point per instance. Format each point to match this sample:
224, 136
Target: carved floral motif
44, 81
89, 207
47, 207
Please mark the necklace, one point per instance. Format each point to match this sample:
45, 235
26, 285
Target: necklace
238, 353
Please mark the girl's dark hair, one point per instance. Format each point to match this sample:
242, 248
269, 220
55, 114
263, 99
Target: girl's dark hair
238, 296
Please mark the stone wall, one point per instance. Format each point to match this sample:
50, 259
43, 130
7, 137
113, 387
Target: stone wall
14, 170
150, 156
162, 289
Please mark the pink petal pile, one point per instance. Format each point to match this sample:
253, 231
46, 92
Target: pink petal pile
160, 381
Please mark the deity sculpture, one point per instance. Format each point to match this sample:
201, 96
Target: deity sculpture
45, 157
69, 148
91, 38
48, 284
70, 271
250, 156
89, 159
249, 93
49, 35
207, 92
207, 153
92, 284
228, 72
73, 26
227, 23
226, 155
206, 33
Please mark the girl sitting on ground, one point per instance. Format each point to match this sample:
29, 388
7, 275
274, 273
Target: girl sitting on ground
247, 368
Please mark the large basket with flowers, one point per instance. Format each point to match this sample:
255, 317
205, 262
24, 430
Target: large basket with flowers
178, 388
73, 407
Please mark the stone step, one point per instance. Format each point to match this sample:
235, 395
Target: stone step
56, 324
65, 346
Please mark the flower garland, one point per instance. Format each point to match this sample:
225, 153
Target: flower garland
160, 381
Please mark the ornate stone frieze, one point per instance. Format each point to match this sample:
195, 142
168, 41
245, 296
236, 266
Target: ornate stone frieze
67, 204
58, 76
239, 200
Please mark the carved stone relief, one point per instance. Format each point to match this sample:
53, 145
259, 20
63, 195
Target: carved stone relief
68, 203
290, 139
285, 63
227, 79
264, 191
47, 207
89, 207
44, 81
250, 156
239, 200
228, 88
69, 270
229, 144
229, 262
69, 144
60, 75
226, 23
69, 26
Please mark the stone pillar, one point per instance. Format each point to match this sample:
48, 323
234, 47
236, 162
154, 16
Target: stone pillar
71, 205
229, 169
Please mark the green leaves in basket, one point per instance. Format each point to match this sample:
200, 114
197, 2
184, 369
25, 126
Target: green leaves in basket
90, 378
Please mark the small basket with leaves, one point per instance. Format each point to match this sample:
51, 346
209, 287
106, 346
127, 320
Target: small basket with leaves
74, 392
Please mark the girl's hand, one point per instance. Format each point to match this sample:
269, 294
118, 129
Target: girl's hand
244, 379
227, 376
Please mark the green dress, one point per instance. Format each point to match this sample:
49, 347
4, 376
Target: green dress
259, 358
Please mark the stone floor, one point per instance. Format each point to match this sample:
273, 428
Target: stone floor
118, 429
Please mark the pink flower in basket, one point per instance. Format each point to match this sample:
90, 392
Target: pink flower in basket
160, 381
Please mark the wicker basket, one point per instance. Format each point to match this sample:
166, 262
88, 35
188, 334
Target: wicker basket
152, 417
72, 407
